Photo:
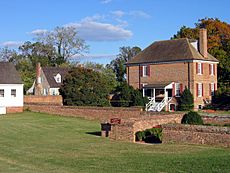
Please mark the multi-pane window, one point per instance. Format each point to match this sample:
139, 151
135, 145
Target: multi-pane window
212, 88
211, 69
1, 92
199, 68
199, 90
177, 89
13, 92
145, 70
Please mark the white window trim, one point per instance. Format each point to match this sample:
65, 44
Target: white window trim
177, 94
15, 93
58, 76
3, 93
212, 89
212, 69
143, 90
200, 90
144, 70
199, 68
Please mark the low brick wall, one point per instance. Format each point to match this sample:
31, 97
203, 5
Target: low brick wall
44, 100
196, 134
14, 109
219, 120
127, 129
102, 114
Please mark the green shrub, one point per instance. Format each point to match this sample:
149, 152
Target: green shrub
153, 135
192, 118
186, 102
126, 96
140, 135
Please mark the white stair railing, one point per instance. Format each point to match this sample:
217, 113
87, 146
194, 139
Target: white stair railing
150, 104
157, 106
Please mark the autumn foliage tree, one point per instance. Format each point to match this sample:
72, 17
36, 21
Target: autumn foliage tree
218, 44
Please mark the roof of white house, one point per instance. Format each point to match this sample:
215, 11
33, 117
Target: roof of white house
9, 74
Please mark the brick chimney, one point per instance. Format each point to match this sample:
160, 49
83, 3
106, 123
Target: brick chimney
203, 45
38, 87
38, 73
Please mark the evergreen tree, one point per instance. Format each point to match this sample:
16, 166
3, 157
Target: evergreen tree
186, 102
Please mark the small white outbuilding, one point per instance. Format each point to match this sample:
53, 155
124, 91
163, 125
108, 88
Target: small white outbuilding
11, 89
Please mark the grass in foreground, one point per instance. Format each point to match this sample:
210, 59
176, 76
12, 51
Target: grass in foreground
34, 142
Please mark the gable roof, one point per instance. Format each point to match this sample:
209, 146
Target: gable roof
9, 74
51, 72
168, 51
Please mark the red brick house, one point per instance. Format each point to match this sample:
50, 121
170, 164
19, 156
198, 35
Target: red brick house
165, 68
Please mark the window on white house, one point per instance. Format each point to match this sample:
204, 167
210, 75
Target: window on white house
145, 71
13, 92
177, 89
212, 89
199, 68
199, 90
1, 92
211, 69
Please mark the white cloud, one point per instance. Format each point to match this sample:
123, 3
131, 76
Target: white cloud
94, 56
118, 13
38, 31
11, 43
97, 31
106, 1
139, 13
97, 58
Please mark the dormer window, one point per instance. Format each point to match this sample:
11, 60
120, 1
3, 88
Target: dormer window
58, 78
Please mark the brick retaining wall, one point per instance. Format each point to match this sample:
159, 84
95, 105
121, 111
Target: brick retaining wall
219, 120
127, 129
44, 100
102, 114
196, 134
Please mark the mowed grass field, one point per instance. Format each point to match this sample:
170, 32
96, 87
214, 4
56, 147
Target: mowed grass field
41, 143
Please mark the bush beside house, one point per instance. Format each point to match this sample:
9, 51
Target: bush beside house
85, 87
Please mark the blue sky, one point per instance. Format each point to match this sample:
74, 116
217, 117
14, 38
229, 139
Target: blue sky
105, 25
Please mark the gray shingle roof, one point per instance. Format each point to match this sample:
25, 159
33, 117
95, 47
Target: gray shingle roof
9, 74
50, 72
167, 51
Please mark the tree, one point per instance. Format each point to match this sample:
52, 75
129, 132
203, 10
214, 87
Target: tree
38, 52
7, 54
218, 44
186, 102
118, 65
108, 73
65, 40
126, 96
85, 87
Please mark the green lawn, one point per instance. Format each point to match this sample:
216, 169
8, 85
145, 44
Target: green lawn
35, 142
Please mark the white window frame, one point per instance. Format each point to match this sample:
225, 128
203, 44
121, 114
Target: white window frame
143, 90
199, 68
58, 78
2, 95
12, 94
212, 69
199, 90
212, 89
177, 89
144, 70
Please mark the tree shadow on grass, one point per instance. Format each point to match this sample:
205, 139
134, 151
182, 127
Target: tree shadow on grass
98, 133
